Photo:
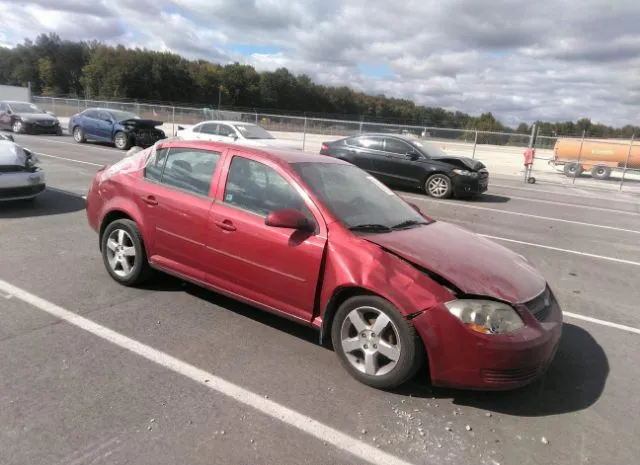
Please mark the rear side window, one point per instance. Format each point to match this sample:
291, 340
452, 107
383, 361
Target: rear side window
190, 170
371, 143
155, 164
209, 128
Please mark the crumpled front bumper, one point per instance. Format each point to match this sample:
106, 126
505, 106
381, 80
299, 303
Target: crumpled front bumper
21, 185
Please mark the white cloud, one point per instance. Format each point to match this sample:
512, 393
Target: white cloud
519, 59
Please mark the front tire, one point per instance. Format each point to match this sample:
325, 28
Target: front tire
438, 186
122, 141
124, 254
375, 343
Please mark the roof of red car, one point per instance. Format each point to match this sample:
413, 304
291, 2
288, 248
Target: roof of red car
272, 153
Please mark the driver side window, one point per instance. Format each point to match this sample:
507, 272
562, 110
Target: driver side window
259, 189
396, 146
225, 130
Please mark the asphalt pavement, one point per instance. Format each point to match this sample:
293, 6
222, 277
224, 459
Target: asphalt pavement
73, 393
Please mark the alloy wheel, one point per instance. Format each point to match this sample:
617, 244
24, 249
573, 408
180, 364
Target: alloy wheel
370, 341
438, 186
121, 253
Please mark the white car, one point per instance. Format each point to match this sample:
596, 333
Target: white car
235, 132
20, 176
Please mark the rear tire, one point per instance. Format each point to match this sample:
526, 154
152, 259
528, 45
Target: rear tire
600, 172
573, 169
122, 242
78, 135
438, 186
384, 360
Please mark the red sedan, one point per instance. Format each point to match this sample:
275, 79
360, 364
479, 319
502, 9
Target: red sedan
320, 241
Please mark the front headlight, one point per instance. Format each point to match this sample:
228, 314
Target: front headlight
486, 316
472, 174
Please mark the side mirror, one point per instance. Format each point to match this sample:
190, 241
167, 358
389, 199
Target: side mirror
233, 136
413, 156
415, 207
289, 218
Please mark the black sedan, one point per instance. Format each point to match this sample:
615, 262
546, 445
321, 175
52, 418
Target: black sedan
405, 161
25, 117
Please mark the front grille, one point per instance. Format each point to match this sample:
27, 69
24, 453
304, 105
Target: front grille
540, 306
45, 122
12, 169
511, 375
21, 191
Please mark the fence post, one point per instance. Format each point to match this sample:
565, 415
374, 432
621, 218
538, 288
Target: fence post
256, 115
584, 132
475, 143
173, 120
626, 164
361, 119
304, 133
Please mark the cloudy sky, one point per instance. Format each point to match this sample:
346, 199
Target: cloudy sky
522, 60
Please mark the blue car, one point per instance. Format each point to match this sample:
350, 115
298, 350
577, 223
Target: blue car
122, 128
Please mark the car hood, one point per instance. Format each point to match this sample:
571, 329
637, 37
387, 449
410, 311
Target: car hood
464, 163
36, 116
472, 263
11, 154
140, 123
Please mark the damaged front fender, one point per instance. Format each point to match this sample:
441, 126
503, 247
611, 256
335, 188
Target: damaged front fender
355, 266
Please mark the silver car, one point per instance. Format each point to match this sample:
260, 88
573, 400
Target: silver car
20, 176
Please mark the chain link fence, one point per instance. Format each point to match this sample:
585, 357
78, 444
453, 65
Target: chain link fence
502, 153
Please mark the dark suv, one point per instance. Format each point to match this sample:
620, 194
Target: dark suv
405, 161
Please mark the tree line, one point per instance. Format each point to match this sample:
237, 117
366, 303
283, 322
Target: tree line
92, 70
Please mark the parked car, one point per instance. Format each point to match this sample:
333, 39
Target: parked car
248, 134
20, 176
322, 242
405, 161
25, 117
121, 128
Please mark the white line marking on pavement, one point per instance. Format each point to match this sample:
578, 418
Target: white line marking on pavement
70, 159
284, 414
528, 215
88, 146
584, 254
573, 205
597, 321
589, 196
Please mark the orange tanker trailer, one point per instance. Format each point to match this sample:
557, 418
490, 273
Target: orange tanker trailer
600, 157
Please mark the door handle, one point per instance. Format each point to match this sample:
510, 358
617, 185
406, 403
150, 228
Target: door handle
150, 200
226, 225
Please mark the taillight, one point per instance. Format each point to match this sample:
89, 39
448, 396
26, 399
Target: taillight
324, 148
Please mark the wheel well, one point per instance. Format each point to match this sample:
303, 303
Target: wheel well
431, 173
338, 297
110, 218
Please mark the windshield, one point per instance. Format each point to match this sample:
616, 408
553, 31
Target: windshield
122, 115
430, 149
25, 108
251, 131
356, 198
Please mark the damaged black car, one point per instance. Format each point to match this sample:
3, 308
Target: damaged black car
121, 128
405, 161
